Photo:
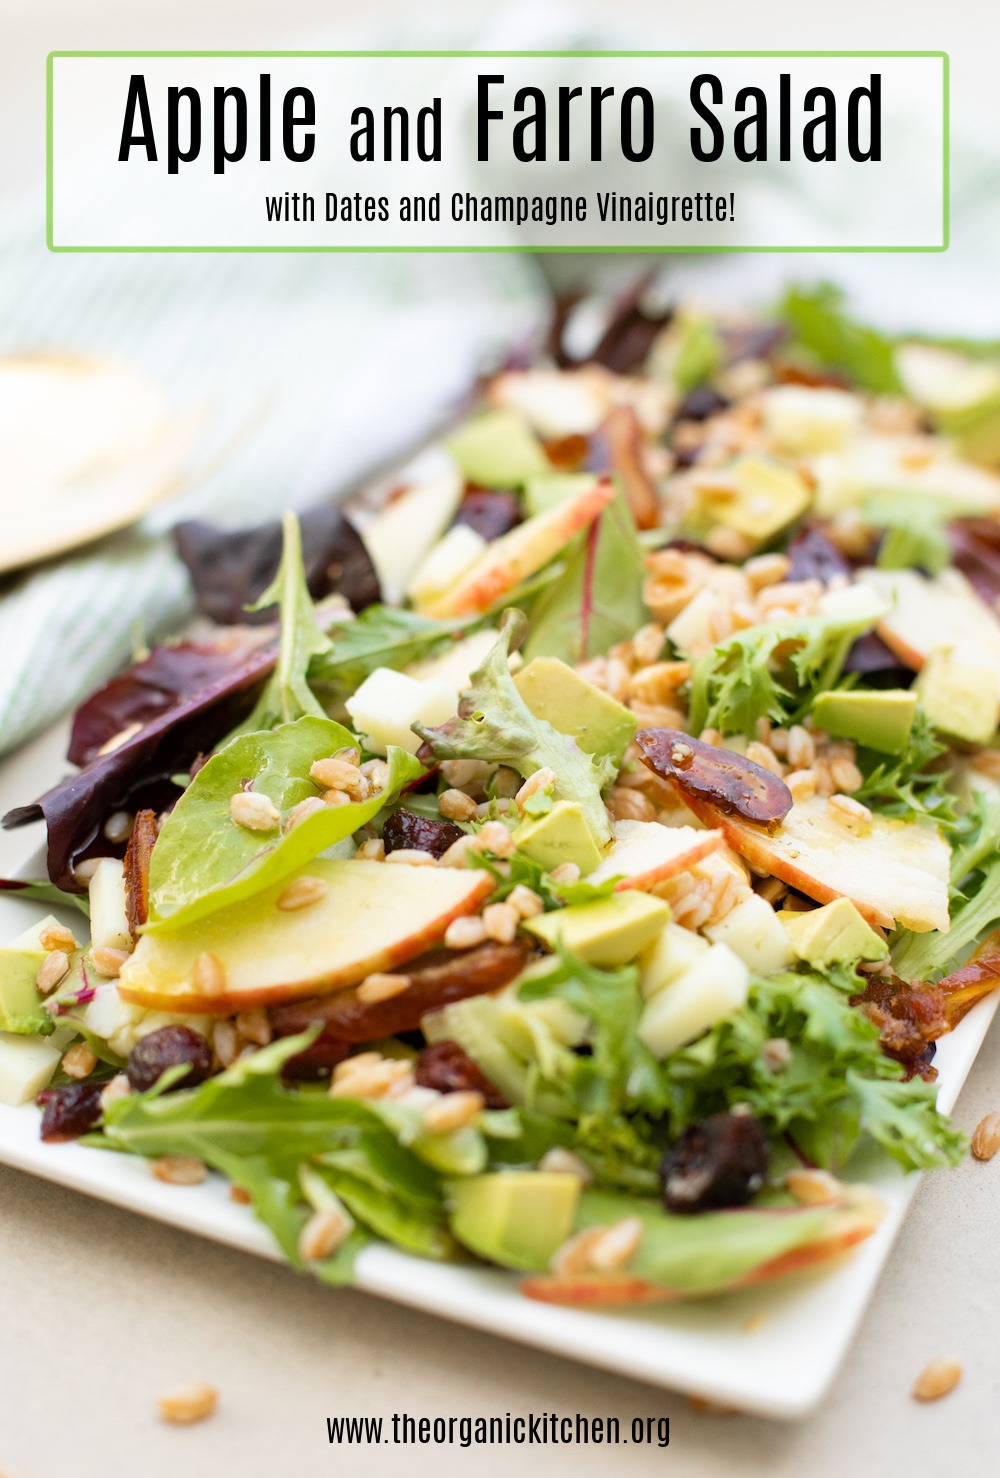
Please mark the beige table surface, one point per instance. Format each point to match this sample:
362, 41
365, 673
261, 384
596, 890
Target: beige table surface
100, 1310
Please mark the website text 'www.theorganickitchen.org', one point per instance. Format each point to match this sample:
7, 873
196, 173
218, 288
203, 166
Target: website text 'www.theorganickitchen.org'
543, 1429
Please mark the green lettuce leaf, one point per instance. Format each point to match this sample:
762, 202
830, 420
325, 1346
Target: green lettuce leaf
288, 695
741, 680
380, 637
908, 785
823, 1098
598, 600
495, 724
203, 861
833, 340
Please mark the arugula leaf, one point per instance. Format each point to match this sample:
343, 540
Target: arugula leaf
836, 341
261, 1135
495, 724
44, 892
904, 785
288, 695
203, 861
741, 680
380, 637
521, 869
597, 601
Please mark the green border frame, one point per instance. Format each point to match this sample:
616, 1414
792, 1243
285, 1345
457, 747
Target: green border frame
941, 56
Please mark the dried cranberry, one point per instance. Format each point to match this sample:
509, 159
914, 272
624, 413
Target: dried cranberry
448, 1067
700, 403
407, 829
70, 1111
718, 1162
168, 1047
489, 512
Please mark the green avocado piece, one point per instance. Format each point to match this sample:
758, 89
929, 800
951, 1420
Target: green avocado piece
554, 692
498, 450
878, 720
517, 1218
831, 934
543, 493
960, 394
610, 932
958, 698
21, 1008
561, 835
753, 497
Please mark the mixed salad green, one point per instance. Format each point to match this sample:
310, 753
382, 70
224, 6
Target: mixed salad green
591, 900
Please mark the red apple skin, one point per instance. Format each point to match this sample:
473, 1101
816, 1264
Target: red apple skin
185, 1000
712, 841
500, 570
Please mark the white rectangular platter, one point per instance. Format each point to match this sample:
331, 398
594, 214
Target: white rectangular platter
772, 1349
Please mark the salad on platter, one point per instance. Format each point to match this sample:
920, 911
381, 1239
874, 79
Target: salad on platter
570, 858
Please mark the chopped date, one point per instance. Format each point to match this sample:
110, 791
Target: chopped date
966, 987
404, 829
448, 1067
490, 512
728, 780
69, 1112
617, 446
436, 979
169, 1046
720, 1161
137, 858
318, 1059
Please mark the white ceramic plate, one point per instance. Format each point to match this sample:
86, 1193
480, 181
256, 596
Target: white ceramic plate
772, 1349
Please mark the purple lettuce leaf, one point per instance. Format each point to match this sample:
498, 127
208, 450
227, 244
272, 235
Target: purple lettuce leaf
230, 569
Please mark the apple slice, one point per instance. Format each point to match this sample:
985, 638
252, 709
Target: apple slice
373, 916
522, 552
927, 615
400, 536
644, 853
894, 873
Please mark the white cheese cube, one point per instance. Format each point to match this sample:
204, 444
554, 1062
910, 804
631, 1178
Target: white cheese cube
445, 564
388, 702
108, 912
26, 1067
753, 931
31, 938
710, 989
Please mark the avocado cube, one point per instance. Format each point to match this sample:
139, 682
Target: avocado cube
561, 835
498, 450
554, 692
959, 698
835, 933
753, 497
610, 932
21, 1008
543, 493
878, 720
517, 1218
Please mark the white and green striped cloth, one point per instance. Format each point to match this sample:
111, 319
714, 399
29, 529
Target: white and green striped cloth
316, 371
